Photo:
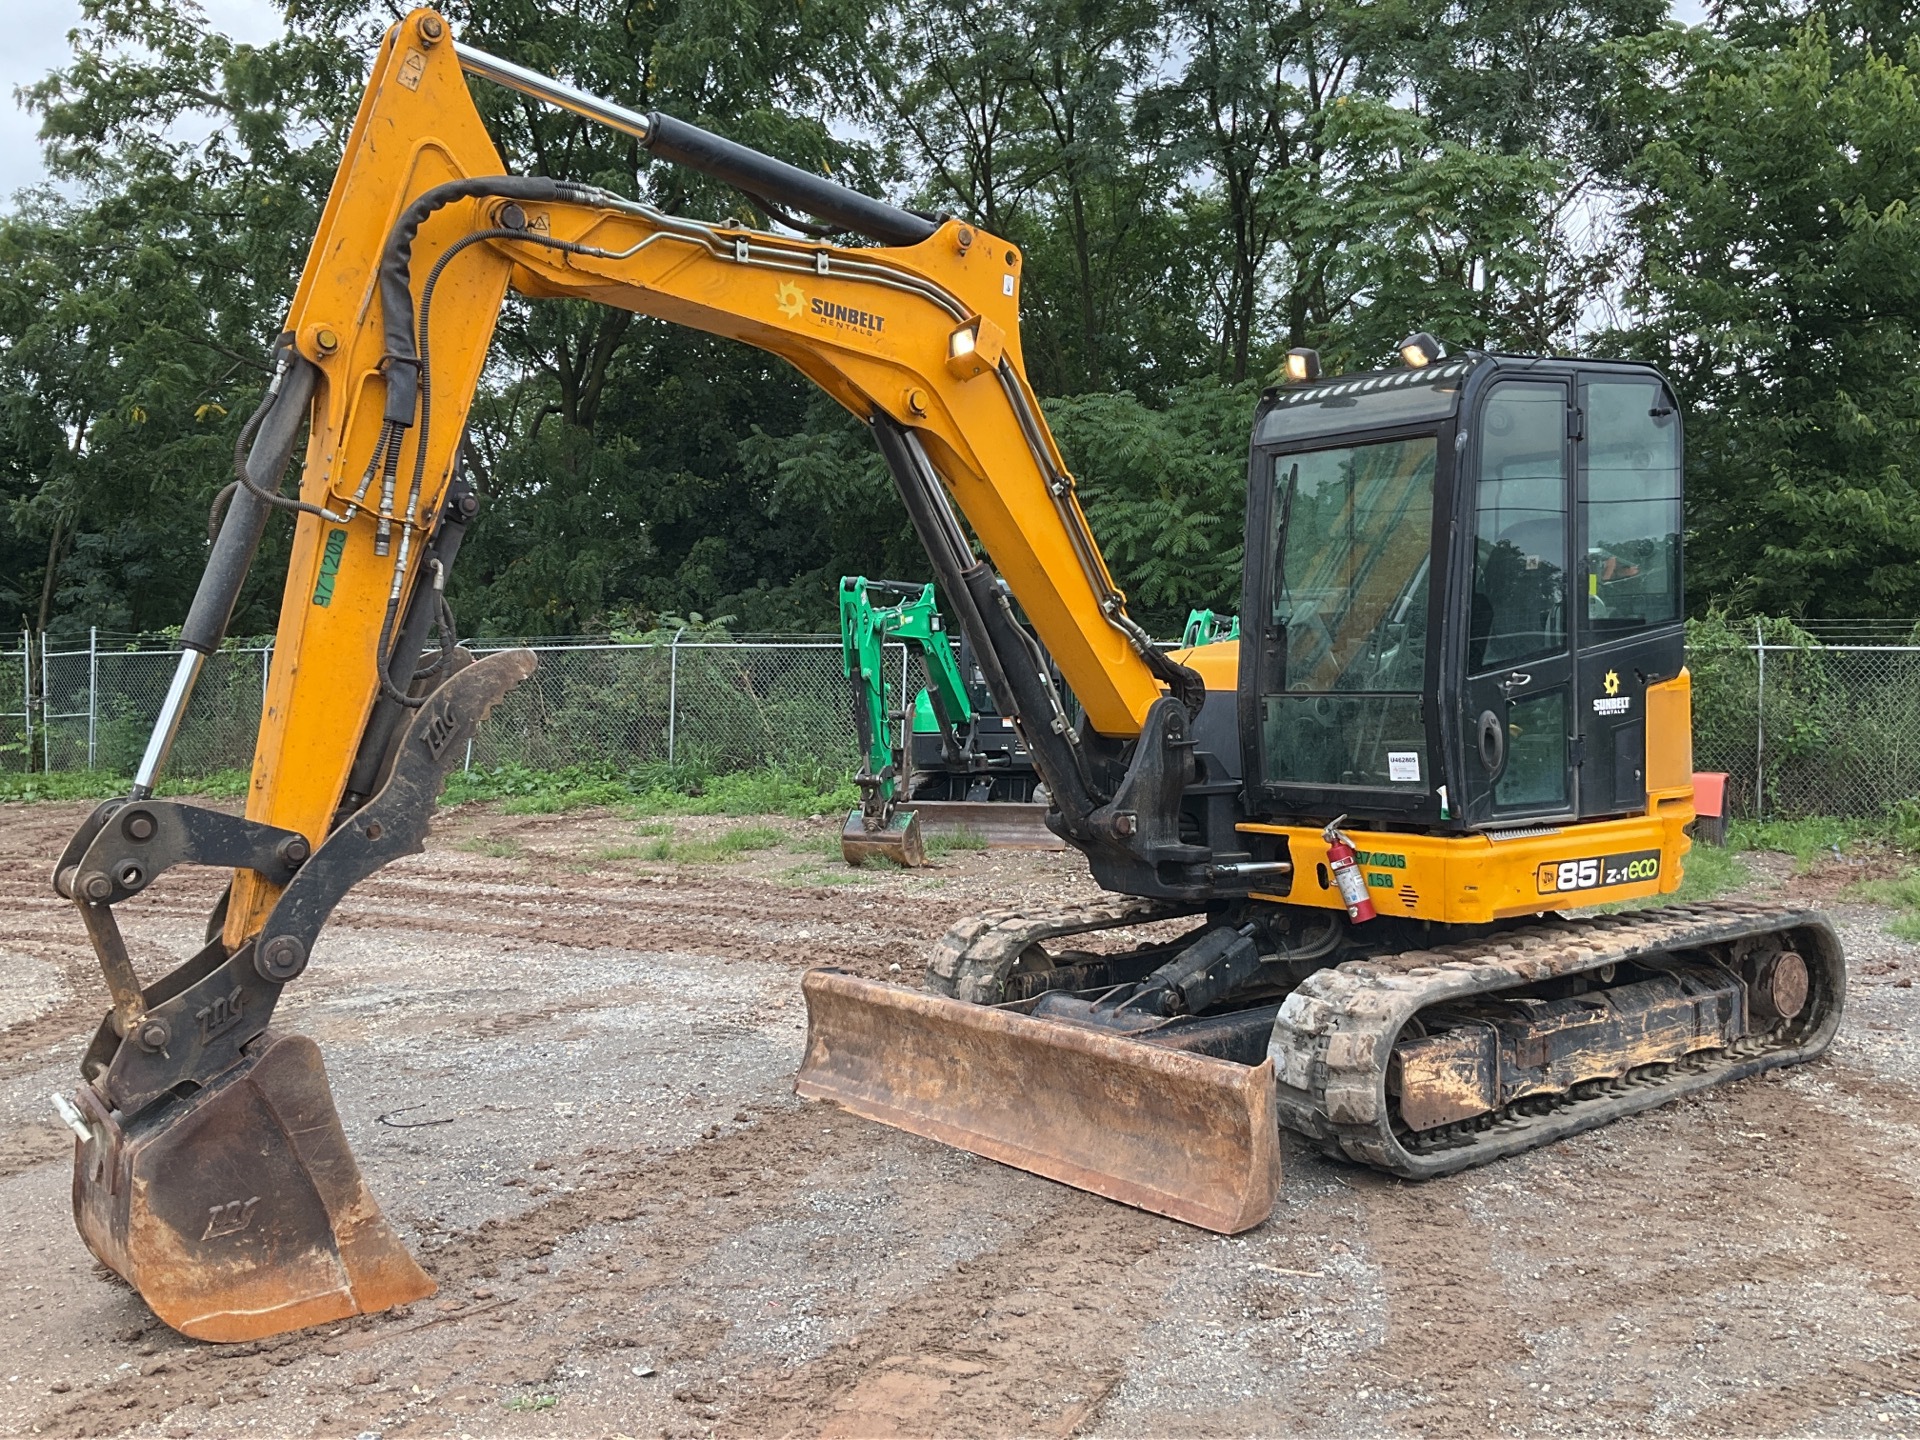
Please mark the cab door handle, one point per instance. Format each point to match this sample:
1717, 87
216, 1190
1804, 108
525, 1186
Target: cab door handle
1518, 680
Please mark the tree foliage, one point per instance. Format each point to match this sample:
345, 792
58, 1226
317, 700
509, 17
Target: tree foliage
1196, 185
1780, 285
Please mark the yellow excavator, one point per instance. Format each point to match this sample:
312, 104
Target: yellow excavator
1457, 710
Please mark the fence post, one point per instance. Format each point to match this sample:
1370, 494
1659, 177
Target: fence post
93, 690
46, 709
1760, 725
673, 685
26, 694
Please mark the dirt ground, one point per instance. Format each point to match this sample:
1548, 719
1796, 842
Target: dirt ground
567, 1073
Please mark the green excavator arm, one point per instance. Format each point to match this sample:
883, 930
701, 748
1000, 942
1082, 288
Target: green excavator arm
880, 827
1208, 627
865, 627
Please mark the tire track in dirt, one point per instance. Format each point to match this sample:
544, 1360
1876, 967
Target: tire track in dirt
1028, 1338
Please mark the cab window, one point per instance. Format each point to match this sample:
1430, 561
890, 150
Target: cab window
1519, 572
1632, 505
1352, 543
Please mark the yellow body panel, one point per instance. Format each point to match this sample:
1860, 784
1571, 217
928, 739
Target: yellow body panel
1471, 879
1218, 664
1670, 736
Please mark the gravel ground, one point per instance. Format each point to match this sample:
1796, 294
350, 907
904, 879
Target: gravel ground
636, 1228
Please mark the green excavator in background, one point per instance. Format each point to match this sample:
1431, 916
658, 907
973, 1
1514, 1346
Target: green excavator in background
960, 768
954, 763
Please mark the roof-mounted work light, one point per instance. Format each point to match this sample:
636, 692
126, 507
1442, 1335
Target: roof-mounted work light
1420, 350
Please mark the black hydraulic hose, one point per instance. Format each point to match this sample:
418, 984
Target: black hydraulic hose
419, 376
396, 291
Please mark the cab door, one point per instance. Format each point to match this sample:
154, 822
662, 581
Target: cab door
1629, 620
1521, 720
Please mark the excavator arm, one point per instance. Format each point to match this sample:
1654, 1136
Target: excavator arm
879, 827
420, 241
212, 1171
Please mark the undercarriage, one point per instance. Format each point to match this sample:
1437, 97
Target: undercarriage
1424, 1060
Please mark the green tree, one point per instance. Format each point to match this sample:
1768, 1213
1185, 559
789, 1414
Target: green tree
1780, 285
136, 300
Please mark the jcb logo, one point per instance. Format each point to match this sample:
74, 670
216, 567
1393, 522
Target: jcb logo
440, 728
230, 1218
220, 1014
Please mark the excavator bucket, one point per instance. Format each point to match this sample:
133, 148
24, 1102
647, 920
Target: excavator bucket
1180, 1134
238, 1212
898, 840
1002, 824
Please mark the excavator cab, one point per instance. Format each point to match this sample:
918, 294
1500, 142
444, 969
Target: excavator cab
1459, 705
1468, 581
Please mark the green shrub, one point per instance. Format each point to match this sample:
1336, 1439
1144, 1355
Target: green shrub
104, 785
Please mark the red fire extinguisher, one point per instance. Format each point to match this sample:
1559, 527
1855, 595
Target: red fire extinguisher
1345, 864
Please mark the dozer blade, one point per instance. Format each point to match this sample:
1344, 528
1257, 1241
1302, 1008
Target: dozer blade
1183, 1135
1004, 825
239, 1213
899, 841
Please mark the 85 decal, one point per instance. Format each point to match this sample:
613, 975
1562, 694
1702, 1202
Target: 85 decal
1595, 872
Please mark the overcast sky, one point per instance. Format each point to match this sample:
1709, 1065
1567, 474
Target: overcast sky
37, 42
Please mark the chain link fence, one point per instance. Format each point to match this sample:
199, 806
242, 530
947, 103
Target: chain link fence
1804, 719
1810, 719
713, 705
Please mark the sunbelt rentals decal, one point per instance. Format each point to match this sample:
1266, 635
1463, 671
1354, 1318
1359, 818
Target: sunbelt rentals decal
1613, 702
793, 302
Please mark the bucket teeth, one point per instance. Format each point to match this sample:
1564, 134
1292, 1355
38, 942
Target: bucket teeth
239, 1212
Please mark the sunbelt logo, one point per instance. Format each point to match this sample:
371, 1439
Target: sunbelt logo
1614, 703
793, 302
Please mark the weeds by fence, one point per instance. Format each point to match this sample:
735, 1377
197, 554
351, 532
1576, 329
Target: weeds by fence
1806, 719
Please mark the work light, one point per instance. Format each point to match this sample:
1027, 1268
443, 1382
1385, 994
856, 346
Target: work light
1420, 350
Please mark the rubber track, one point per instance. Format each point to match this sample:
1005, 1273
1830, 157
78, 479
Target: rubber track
971, 961
1337, 1030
